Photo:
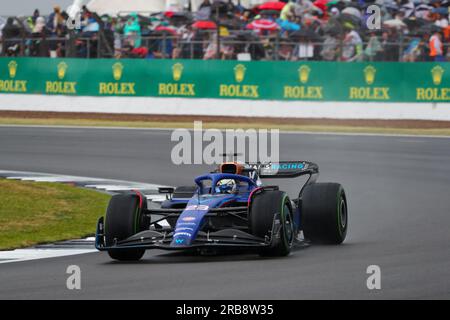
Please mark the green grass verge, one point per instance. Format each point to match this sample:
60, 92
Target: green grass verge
221, 125
37, 212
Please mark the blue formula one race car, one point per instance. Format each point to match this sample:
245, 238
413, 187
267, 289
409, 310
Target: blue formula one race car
228, 208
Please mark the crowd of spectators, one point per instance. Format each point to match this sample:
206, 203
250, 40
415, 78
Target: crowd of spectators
343, 30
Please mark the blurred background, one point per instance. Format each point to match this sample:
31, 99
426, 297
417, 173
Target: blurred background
330, 30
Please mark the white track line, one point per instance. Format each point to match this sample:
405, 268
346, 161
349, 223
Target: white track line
112, 187
36, 254
102, 183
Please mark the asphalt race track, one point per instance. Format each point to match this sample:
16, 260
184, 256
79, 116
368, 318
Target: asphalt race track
399, 201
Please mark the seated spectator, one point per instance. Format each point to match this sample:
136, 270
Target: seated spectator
412, 51
39, 45
11, 32
330, 48
391, 49
374, 48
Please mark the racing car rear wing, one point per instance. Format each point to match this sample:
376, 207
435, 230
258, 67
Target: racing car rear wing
287, 169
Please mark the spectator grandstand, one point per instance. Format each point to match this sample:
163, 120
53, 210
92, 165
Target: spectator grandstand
330, 30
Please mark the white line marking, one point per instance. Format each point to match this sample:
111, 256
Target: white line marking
24, 178
57, 179
106, 183
46, 179
111, 187
401, 135
35, 254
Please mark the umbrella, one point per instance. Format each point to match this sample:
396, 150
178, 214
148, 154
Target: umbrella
246, 35
349, 25
169, 14
428, 29
415, 22
332, 3
391, 6
180, 18
352, 11
205, 25
272, 5
333, 27
441, 10
321, 4
394, 23
434, 1
163, 29
346, 18
180, 15
304, 33
263, 24
424, 7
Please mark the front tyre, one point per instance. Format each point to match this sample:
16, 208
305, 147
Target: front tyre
123, 219
324, 213
265, 208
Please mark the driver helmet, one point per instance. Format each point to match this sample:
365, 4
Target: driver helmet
226, 186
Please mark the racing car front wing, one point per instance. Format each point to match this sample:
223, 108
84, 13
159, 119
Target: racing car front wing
152, 239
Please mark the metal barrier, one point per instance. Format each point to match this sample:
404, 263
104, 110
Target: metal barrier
167, 46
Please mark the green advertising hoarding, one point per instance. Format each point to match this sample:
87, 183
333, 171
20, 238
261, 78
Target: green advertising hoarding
259, 80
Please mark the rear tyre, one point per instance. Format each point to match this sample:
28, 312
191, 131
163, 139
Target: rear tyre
264, 207
324, 213
123, 219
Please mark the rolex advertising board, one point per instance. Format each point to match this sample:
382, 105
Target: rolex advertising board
311, 81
